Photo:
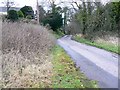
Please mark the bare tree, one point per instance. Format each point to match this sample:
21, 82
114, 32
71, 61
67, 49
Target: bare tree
8, 4
37, 14
41, 13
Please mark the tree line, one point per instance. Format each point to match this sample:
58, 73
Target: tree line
91, 17
25, 12
97, 18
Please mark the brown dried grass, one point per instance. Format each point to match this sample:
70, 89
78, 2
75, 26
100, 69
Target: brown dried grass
26, 60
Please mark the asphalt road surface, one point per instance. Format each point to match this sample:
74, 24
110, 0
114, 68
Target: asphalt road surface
97, 64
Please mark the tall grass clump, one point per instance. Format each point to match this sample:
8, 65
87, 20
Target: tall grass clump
26, 55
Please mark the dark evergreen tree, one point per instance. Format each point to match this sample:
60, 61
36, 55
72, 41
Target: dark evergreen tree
12, 15
27, 10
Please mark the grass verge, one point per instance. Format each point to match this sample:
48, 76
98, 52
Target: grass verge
105, 46
58, 34
65, 74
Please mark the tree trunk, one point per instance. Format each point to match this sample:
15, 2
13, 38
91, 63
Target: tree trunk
84, 18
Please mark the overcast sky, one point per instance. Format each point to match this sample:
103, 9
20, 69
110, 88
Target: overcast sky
21, 3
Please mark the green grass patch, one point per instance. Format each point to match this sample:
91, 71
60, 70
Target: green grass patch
65, 74
105, 46
58, 34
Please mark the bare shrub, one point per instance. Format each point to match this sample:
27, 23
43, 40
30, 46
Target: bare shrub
112, 40
26, 55
73, 28
0, 51
28, 21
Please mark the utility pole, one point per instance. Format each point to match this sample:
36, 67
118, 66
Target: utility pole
65, 17
38, 12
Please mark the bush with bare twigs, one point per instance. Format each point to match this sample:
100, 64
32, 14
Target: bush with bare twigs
26, 55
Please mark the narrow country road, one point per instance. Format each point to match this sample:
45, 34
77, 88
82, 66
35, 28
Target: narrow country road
95, 63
